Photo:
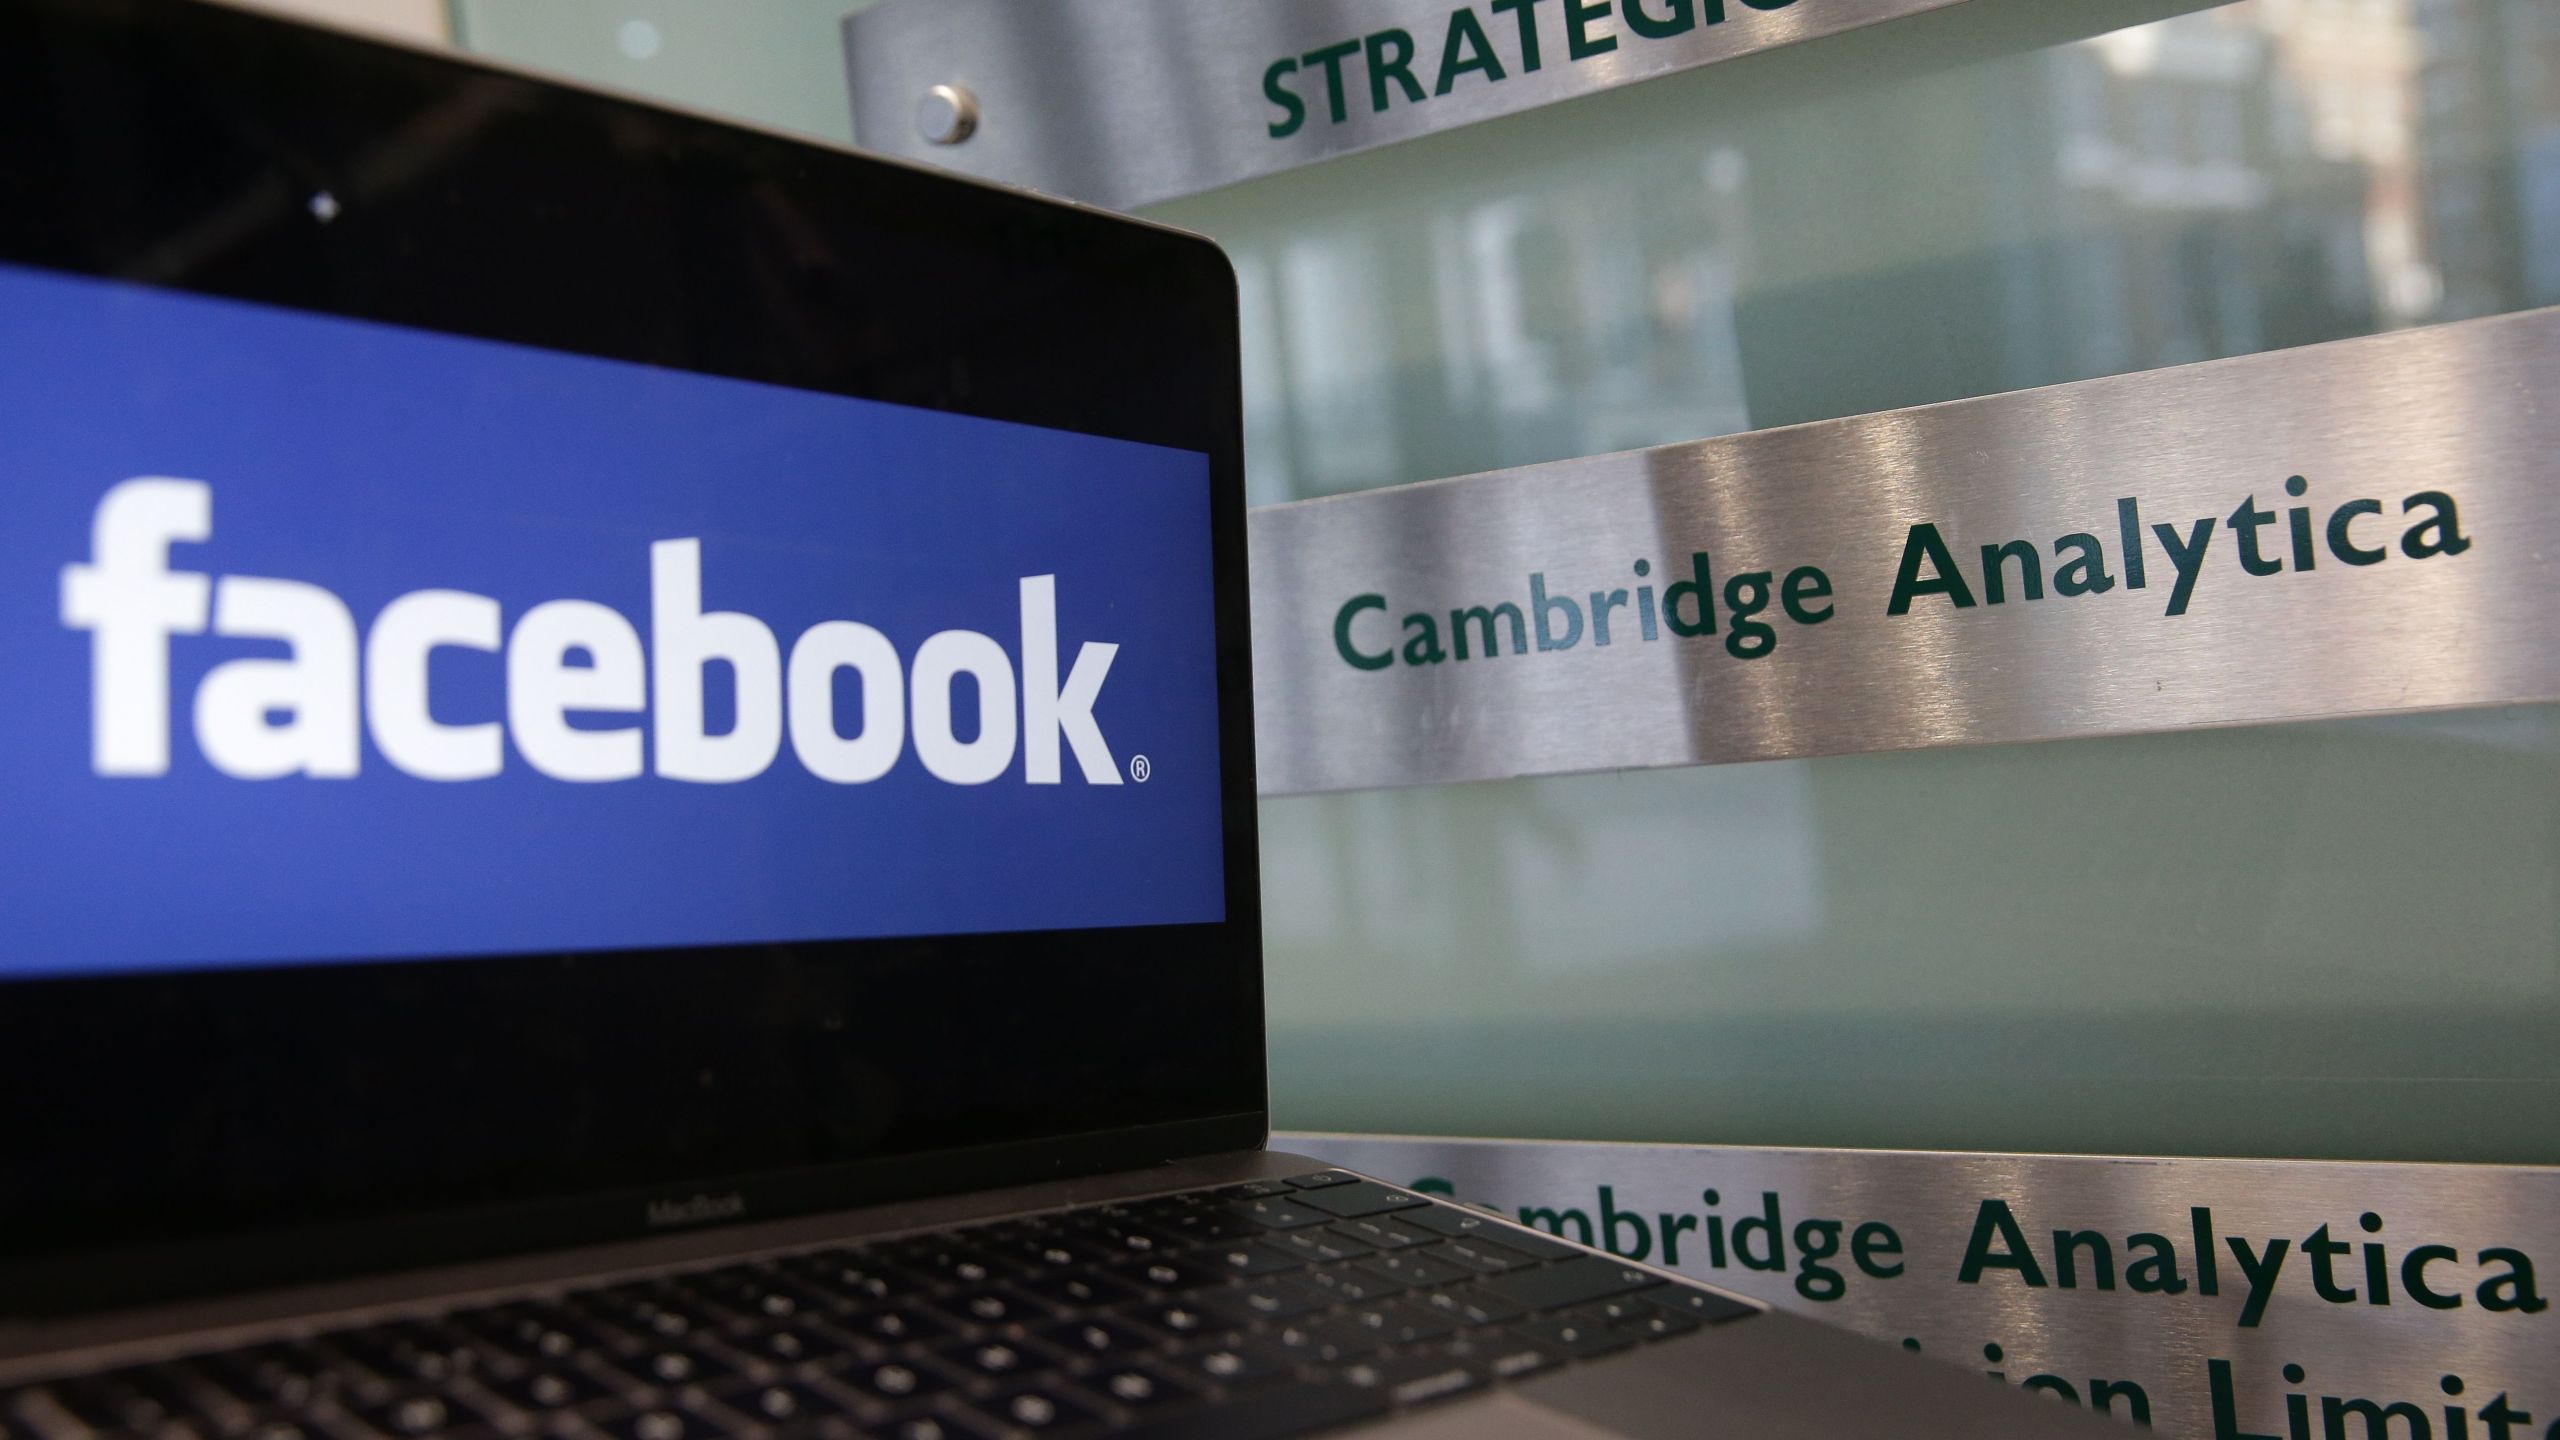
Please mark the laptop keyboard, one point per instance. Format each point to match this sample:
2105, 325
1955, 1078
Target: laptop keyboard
1243, 1312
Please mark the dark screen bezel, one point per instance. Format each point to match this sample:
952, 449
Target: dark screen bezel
1137, 289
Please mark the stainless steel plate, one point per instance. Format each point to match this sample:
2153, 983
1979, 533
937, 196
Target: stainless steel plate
2390, 1285
1991, 570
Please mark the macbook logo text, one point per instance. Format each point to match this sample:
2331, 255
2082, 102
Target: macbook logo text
263, 717
697, 1209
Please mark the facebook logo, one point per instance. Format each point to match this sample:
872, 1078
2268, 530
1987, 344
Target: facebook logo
342, 641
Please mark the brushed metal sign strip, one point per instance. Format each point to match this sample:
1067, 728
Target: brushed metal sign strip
2358, 527
1128, 102
2206, 1298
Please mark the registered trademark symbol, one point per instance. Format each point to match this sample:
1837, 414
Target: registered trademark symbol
1139, 769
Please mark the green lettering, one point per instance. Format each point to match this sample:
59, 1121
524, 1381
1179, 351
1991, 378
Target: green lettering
1398, 67
1484, 619
1923, 544
2156, 1272
2067, 1245
1871, 1240
1602, 602
1995, 586
1331, 58
1680, 17
2085, 573
2445, 523
1422, 641
1293, 111
2103, 1393
1527, 10
1992, 1221
1478, 55
2343, 544
1579, 42
2187, 557
2413, 1269
2377, 1418
2513, 1290
1701, 587
1542, 605
1807, 583
1359, 659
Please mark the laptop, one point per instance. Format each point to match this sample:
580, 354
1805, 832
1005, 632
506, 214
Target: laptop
630, 811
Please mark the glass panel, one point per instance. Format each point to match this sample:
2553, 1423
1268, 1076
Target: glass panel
1836, 228
2337, 939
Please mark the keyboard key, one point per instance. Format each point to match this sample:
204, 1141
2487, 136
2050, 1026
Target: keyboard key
1703, 1306
1255, 1188
788, 1344
1659, 1325
1580, 1339
998, 1359
1485, 1257
895, 1381
1321, 1246
1504, 1355
851, 1282
1088, 1291
1106, 1338
1383, 1232
408, 1351
1274, 1213
1459, 1221
783, 1403
1356, 1285
1131, 1238
553, 1389
1472, 1305
897, 1325
995, 1307
256, 1426
660, 1423
1416, 1270
1361, 1197
1137, 1389
1414, 1379
1248, 1259
1402, 1323
1323, 1179
1163, 1272
651, 1309
1182, 1319
419, 1415
1337, 1338
1208, 1226
116, 1402
288, 1375
1273, 1412
1240, 1362
534, 1332
764, 1297
1577, 1281
1274, 1297
1040, 1409
936, 1427
679, 1365
1059, 1251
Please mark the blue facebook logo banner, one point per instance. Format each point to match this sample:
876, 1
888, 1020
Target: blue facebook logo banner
336, 641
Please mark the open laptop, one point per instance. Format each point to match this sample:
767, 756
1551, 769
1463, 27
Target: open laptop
629, 810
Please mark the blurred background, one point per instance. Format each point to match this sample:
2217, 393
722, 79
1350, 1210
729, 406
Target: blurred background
2336, 939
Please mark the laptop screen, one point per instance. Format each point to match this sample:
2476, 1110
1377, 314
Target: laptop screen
337, 641
575, 668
